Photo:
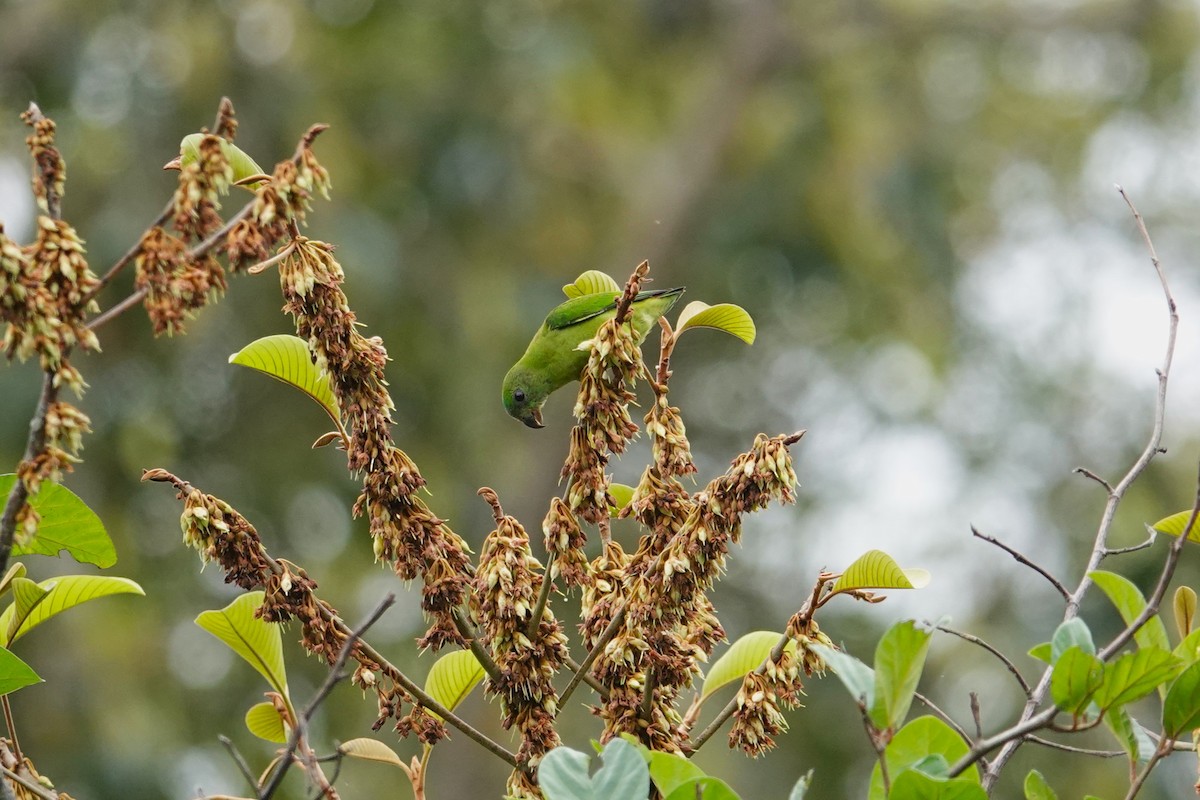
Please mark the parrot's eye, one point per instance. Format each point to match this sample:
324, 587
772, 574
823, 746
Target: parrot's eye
519, 395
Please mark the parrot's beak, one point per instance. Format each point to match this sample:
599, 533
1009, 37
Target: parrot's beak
534, 418
174, 163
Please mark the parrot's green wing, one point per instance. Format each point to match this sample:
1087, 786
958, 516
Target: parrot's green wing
579, 309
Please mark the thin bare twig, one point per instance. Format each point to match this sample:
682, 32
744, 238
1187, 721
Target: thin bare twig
1083, 751
1150, 539
336, 675
242, 766
1031, 718
1023, 559
1087, 473
1008, 664
966, 737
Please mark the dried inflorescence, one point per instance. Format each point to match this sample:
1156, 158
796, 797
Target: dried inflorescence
407, 534
564, 541
216, 531
668, 438
757, 718
176, 283
527, 653
201, 184
44, 297
50, 173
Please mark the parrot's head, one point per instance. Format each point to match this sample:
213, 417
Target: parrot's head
524, 393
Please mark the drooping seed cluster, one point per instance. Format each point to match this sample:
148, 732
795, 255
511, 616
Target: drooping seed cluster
527, 654
672, 452
406, 533
564, 541
177, 284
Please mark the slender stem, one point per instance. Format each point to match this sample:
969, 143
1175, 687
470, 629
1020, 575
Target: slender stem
1066, 748
1010, 740
588, 678
11, 726
966, 737
335, 676
242, 766
539, 607
30, 786
1159, 753
1009, 665
1022, 559
468, 632
603, 639
647, 707
712, 727
129, 254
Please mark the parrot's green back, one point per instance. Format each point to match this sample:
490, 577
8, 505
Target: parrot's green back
553, 359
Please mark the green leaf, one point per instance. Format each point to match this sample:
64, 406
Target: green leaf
899, 659
256, 641
743, 657
1173, 525
64, 592
1036, 787
669, 770
1072, 633
15, 673
372, 750
452, 677
591, 282
67, 524
1042, 652
914, 743
1130, 603
1077, 677
621, 494
1189, 648
1135, 675
27, 596
243, 165
264, 722
1181, 708
289, 359
563, 775
706, 788
1185, 610
17, 570
723, 317
801, 787
912, 784
623, 773
857, 677
1129, 734
875, 569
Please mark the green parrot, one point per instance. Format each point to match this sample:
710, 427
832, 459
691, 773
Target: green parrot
553, 359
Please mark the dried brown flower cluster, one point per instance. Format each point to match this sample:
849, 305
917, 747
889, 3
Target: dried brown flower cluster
407, 534
527, 653
177, 284
49, 167
279, 204
564, 541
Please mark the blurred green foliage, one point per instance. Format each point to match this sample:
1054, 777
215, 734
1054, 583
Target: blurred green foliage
911, 197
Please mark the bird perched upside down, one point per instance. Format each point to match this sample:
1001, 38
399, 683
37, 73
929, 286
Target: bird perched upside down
553, 359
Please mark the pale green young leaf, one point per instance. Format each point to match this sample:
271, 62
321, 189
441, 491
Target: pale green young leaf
1129, 734
801, 787
1174, 524
1072, 633
875, 569
914, 743
1189, 649
243, 166
15, 570
1181, 708
857, 677
563, 775
727, 317
743, 657
256, 641
1130, 603
707, 787
264, 722
591, 282
623, 772
27, 596
1184, 606
912, 784
621, 494
1036, 787
669, 770
64, 592
1042, 652
289, 359
15, 673
452, 677
66, 525
1136, 674
1076, 678
899, 659
372, 750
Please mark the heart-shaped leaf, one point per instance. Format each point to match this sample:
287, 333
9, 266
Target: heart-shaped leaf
67, 524
263, 721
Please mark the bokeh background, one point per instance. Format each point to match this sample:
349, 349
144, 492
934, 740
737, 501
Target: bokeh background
913, 198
